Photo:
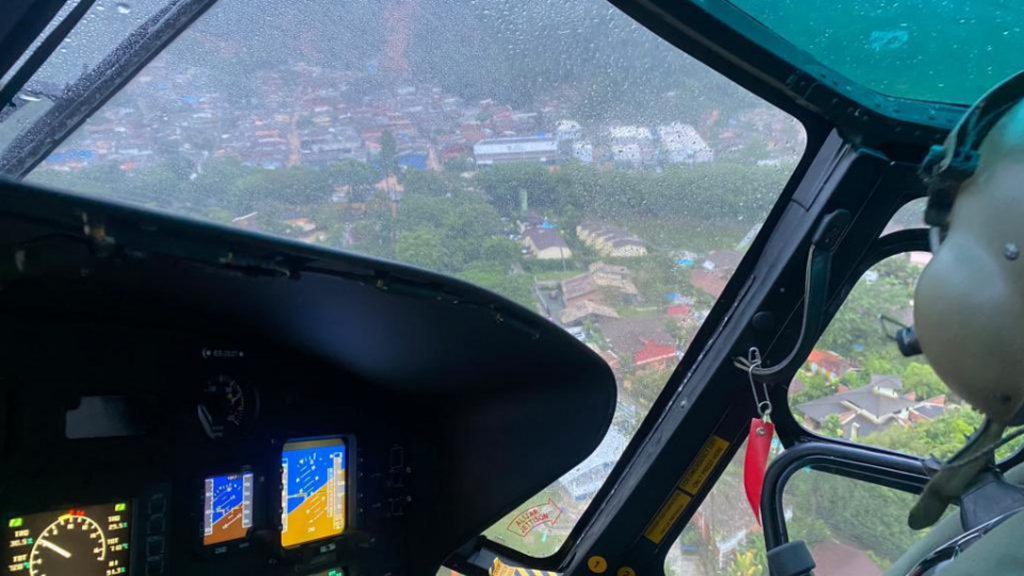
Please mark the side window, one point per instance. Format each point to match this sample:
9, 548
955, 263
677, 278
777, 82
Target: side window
850, 526
856, 385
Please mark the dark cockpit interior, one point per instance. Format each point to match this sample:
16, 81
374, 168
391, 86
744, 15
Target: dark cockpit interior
118, 401
423, 288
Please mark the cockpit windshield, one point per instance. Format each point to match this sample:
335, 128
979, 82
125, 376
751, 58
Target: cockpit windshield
102, 34
556, 153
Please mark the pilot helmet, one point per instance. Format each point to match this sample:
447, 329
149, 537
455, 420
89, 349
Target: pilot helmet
969, 300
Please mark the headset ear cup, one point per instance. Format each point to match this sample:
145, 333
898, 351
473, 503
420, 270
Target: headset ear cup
946, 167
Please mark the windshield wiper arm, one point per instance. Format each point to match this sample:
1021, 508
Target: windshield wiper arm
92, 90
42, 52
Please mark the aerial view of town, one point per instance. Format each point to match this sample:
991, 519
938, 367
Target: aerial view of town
620, 218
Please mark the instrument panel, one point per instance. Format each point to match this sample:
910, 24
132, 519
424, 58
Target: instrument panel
144, 354
217, 459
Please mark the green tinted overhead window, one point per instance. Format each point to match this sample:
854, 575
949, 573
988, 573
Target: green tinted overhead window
940, 50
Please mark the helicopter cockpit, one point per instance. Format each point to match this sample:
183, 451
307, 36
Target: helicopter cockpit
419, 287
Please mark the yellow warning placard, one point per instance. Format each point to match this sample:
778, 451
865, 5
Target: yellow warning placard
695, 476
666, 516
704, 464
499, 568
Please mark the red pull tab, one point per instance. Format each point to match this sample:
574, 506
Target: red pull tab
758, 445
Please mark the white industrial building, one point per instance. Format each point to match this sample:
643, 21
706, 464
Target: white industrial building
540, 149
583, 151
568, 130
681, 143
632, 145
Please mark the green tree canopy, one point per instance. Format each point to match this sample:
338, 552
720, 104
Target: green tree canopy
941, 437
358, 176
923, 381
423, 247
831, 426
430, 183
294, 186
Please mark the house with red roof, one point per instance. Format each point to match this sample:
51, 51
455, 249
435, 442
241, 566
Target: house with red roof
654, 356
679, 311
708, 282
832, 365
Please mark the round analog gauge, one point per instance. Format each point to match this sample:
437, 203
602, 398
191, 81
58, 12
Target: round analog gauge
71, 546
226, 408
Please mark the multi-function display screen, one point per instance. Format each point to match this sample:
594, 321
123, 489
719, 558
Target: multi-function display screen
313, 489
82, 541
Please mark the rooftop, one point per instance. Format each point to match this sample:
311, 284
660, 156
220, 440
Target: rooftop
577, 286
724, 259
581, 310
874, 399
544, 238
652, 352
518, 140
831, 362
709, 283
679, 311
627, 336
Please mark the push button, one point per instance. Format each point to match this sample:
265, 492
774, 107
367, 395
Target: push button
154, 546
156, 525
155, 567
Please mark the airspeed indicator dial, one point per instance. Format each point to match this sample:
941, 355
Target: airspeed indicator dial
72, 546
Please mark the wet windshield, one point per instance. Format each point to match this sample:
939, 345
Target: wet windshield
98, 35
554, 152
